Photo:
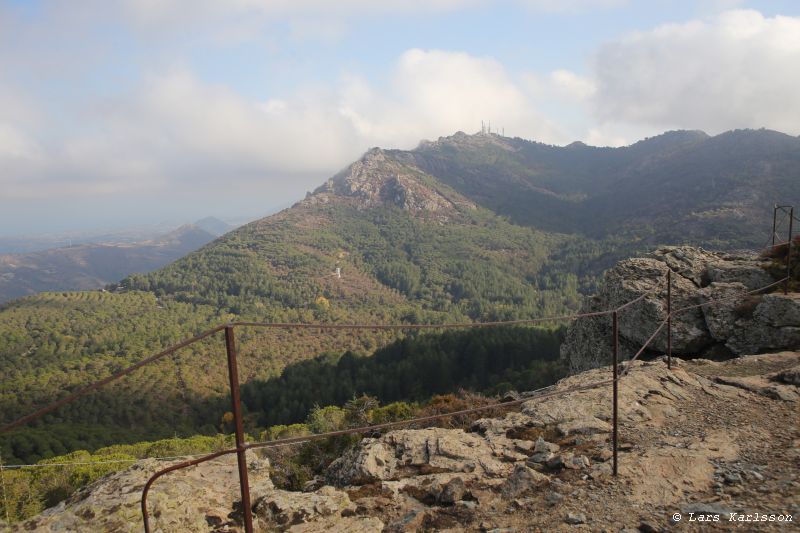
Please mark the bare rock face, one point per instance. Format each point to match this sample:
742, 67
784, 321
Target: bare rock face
380, 179
285, 509
112, 503
737, 325
202, 498
414, 452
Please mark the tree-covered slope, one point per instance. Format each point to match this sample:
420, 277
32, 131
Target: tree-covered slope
679, 187
407, 247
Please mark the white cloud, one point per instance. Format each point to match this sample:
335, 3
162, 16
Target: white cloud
14, 144
571, 6
436, 93
159, 10
571, 85
176, 131
738, 69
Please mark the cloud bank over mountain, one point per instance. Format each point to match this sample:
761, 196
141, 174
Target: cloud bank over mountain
165, 125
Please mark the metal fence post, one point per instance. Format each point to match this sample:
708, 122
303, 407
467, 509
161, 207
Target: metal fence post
774, 222
789, 253
669, 319
615, 363
233, 375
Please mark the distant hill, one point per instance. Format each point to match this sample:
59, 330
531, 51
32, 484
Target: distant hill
92, 266
682, 187
214, 226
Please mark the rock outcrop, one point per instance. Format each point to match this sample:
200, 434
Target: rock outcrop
738, 324
379, 178
546, 466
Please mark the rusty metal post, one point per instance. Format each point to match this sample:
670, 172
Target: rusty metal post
615, 363
669, 319
233, 375
774, 222
789, 253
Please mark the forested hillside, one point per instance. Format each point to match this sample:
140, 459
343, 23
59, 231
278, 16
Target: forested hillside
682, 187
397, 263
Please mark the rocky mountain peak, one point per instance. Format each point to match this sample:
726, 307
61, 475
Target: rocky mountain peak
382, 177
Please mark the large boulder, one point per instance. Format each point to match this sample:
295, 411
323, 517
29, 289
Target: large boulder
408, 453
739, 324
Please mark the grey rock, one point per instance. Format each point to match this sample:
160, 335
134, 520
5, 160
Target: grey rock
779, 310
742, 325
544, 446
540, 457
721, 318
452, 491
552, 498
790, 376
522, 480
285, 508
732, 478
575, 518
412, 452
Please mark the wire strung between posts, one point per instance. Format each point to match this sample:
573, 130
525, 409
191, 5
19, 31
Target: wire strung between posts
112, 461
729, 298
641, 350
97, 384
629, 364
462, 325
283, 325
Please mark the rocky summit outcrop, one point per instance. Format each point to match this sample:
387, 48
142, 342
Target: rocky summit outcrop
381, 178
737, 324
200, 498
542, 466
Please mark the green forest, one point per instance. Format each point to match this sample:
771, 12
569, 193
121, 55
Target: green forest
395, 269
489, 360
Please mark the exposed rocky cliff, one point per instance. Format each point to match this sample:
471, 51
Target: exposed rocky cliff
383, 178
545, 465
739, 324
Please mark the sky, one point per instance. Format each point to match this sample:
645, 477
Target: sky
115, 113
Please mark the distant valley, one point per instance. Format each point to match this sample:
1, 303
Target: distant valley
92, 265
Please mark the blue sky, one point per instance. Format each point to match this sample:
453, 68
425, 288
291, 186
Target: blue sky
135, 111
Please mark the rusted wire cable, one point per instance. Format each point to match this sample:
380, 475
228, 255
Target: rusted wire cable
729, 298
280, 325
